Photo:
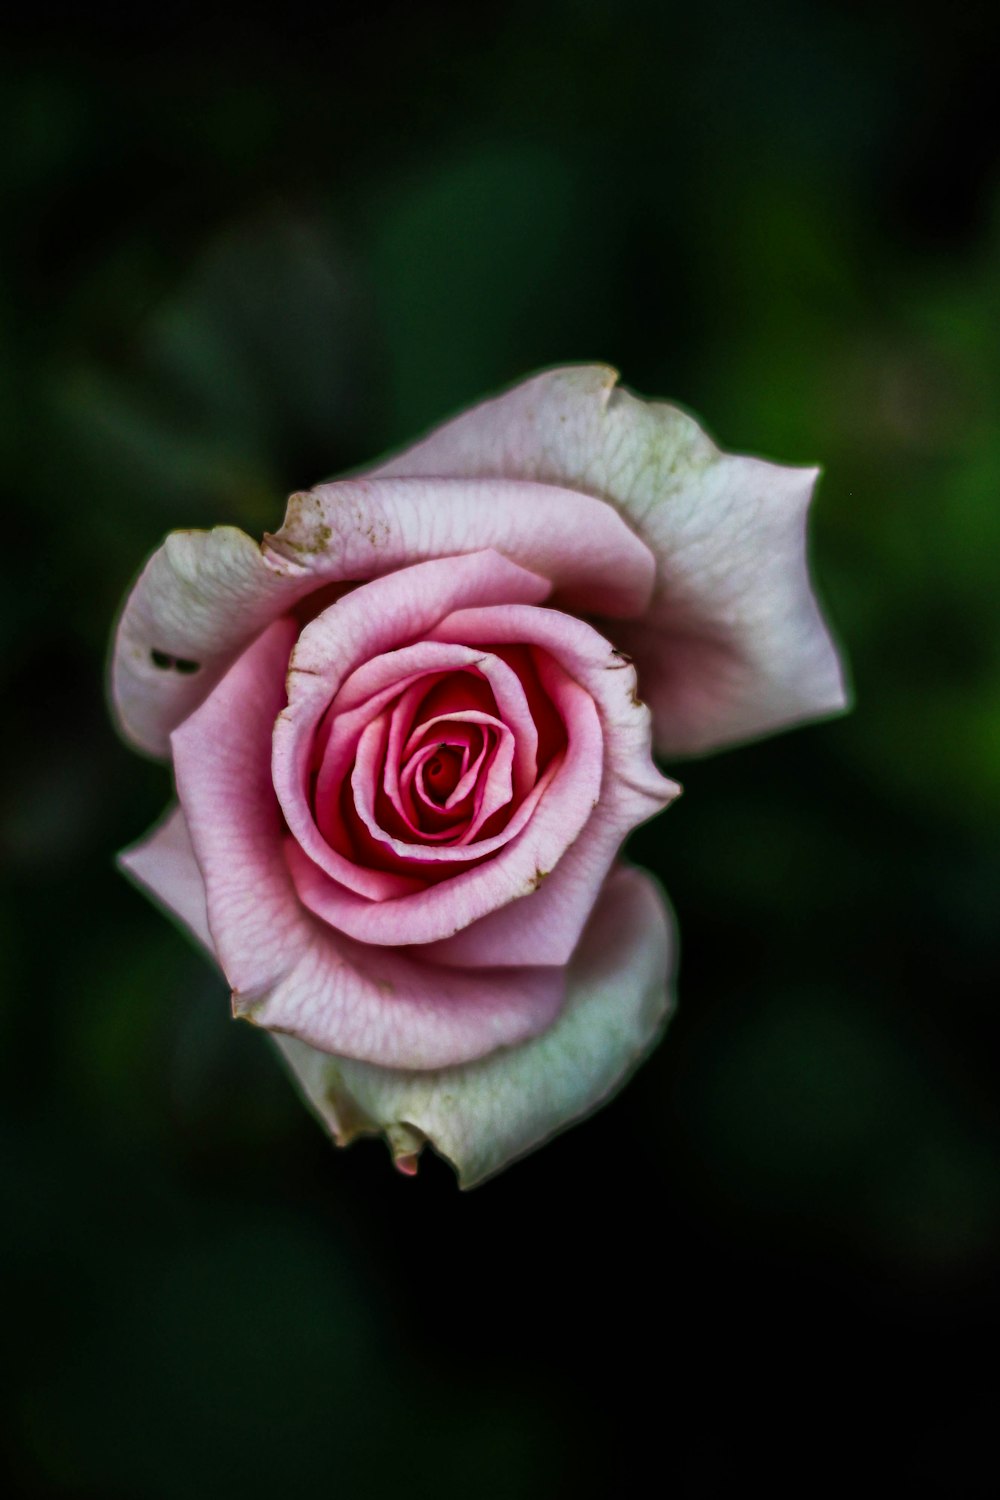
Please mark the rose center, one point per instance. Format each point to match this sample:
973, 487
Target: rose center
442, 772
446, 764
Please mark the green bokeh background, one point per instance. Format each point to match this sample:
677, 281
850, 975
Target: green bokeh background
241, 253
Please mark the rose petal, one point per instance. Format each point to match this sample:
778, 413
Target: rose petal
425, 782
538, 831
545, 925
385, 615
483, 1116
321, 829
204, 595
512, 708
201, 598
362, 528
288, 971
163, 865
734, 644
564, 850
495, 791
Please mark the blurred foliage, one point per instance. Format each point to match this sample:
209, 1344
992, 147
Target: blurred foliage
242, 253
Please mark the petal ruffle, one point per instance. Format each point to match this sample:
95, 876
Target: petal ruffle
485, 1115
734, 644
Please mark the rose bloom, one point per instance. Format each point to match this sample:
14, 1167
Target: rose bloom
411, 730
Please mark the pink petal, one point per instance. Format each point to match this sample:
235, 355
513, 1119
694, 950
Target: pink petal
512, 708
734, 644
545, 926
545, 824
384, 615
288, 971
557, 849
204, 595
470, 744
321, 829
362, 528
485, 1115
163, 864
496, 787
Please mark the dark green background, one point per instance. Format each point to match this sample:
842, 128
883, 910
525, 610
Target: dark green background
242, 253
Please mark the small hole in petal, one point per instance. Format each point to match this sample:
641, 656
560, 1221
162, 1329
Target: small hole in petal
166, 662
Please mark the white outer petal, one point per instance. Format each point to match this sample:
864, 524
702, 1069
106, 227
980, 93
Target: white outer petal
486, 1114
483, 1115
202, 597
734, 644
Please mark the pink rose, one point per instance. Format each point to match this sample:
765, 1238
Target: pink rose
408, 742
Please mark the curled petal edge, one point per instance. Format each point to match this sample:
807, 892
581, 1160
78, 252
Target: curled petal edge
734, 644
482, 1116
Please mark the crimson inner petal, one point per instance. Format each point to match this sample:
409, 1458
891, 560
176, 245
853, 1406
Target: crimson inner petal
461, 753
438, 759
440, 774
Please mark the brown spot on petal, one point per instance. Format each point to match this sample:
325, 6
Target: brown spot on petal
377, 532
300, 533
